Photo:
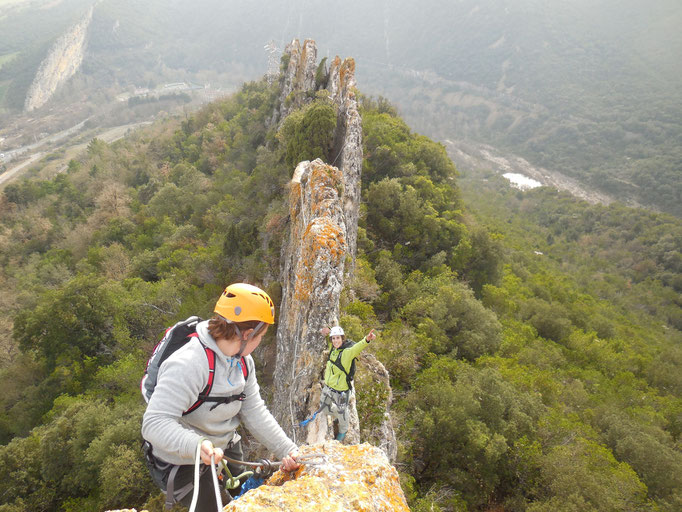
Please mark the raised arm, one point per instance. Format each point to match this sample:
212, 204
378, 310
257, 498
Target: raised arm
355, 350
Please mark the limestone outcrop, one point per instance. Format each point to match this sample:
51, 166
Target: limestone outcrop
343, 478
347, 142
373, 380
61, 63
319, 254
312, 278
350, 478
299, 82
298, 78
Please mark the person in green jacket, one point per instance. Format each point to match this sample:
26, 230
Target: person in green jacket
338, 375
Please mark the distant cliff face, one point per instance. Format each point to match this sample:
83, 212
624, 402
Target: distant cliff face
64, 59
319, 254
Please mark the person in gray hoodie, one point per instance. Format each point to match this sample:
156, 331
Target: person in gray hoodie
243, 315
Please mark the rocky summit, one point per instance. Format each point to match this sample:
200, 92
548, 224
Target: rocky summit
348, 478
338, 478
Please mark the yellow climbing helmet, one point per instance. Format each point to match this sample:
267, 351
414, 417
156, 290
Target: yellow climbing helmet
241, 302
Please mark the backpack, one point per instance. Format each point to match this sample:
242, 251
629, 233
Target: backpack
175, 337
350, 374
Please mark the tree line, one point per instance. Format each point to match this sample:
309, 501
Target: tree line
525, 382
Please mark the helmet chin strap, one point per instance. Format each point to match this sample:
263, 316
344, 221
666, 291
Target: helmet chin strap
244, 342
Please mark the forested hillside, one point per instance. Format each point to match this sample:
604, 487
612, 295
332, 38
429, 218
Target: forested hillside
521, 381
589, 88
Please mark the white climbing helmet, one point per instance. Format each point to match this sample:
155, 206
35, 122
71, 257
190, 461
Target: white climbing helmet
336, 331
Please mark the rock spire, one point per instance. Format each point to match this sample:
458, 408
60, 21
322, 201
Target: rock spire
312, 279
319, 254
298, 84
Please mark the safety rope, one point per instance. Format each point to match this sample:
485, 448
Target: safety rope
230, 483
308, 420
195, 493
216, 485
307, 459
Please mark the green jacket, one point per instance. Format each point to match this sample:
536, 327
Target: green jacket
333, 376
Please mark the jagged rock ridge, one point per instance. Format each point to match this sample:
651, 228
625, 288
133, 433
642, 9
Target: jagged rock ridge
348, 142
299, 82
312, 279
61, 63
318, 257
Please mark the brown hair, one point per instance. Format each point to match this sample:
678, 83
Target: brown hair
219, 328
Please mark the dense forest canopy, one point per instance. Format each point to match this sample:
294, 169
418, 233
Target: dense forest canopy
533, 341
587, 88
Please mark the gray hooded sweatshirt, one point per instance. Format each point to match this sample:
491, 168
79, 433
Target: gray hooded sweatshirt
181, 378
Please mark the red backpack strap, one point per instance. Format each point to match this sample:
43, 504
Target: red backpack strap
245, 368
210, 355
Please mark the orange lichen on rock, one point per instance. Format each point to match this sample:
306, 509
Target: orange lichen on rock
322, 241
302, 58
325, 181
347, 70
346, 478
326, 239
294, 198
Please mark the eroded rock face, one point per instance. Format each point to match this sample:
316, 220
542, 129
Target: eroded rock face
319, 256
374, 381
299, 76
350, 478
298, 87
64, 59
313, 262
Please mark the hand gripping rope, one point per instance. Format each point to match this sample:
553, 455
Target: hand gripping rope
231, 482
263, 469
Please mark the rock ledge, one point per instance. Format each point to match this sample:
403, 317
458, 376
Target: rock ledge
352, 478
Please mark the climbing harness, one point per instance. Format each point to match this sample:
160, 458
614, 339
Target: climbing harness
339, 398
